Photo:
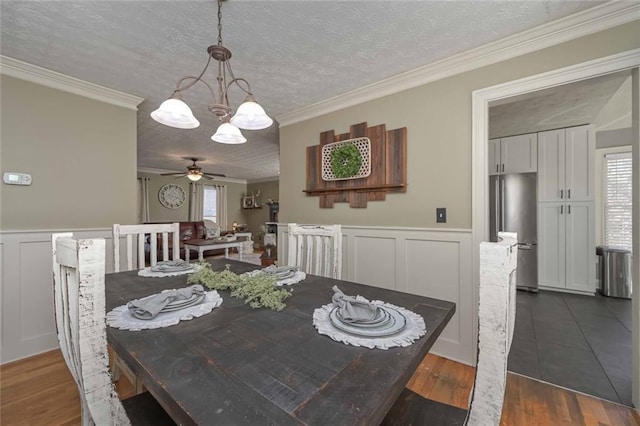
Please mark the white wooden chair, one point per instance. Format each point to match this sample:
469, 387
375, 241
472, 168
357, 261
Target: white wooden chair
142, 231
316, 249
496, 320
78, 274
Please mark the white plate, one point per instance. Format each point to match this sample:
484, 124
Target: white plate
396, 323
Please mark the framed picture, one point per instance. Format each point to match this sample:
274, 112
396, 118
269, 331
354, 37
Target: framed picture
247, 202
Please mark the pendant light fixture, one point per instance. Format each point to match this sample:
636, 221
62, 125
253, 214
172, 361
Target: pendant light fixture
174, 112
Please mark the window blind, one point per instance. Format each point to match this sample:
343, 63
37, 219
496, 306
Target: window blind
617, 200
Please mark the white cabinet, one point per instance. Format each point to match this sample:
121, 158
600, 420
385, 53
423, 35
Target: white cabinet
513, 154
566, 165
566, 245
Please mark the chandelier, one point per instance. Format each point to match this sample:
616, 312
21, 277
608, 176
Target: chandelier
174, 112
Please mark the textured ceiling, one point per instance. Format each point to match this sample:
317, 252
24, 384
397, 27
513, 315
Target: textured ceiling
293, 53
563, 106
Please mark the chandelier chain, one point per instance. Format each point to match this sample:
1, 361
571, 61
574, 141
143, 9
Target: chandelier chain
219, 22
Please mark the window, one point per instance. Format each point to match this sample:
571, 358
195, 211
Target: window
617, 200
209, 204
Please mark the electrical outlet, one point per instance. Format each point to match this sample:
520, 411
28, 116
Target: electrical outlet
441, 215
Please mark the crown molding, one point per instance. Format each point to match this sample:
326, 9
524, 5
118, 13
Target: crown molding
214, 180
590, 21
35, 74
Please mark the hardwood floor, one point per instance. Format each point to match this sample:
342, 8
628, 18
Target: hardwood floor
40, 391
527, 401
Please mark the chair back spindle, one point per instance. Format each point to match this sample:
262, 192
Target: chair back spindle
135, 241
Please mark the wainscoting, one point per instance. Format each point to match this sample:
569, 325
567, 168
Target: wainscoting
26, 279
427, 262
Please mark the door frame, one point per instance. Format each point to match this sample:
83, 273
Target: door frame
480, 173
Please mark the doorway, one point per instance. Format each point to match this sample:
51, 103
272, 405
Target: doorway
481, 99
575, 341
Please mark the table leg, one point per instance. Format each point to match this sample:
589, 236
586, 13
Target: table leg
200, 253
186, 254
226, 252
240, 250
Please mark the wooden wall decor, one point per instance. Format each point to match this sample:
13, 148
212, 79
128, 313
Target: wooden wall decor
388, 167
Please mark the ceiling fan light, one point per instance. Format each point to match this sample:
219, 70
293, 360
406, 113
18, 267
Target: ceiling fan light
229, 134
251, 116
175, 113
194, 177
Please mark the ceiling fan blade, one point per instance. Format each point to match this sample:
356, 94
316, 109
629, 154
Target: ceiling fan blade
173, 174
212, 175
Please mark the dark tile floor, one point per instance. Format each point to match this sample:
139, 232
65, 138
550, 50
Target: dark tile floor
578, 342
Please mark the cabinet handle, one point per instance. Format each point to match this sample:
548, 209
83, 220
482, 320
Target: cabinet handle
568, 194
561, 209
569, 209
503, 167
497, 168
561, 193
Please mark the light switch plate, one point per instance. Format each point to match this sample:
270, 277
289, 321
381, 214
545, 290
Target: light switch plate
441, 215
13, 178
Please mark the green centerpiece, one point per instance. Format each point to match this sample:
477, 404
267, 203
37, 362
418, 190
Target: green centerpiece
346, 161
259, 291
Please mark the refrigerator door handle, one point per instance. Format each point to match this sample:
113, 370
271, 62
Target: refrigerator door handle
496, 190
502, 205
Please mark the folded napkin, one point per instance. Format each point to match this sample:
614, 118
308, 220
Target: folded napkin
171, 266
353, 309
149, 307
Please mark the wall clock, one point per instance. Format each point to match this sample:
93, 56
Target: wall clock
171, 196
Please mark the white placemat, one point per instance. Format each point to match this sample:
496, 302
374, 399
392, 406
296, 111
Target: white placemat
147, 272
414, 329
121, 318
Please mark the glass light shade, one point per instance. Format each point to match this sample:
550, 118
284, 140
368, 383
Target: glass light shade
229, 134
175, 113
194, 176
251, 116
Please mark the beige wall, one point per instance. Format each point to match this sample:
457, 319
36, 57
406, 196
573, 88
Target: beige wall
159, 213
81, 154
235, 212
438, 121
257, 217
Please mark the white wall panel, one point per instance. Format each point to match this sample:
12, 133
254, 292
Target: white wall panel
36, 290
26, 278
374, 261
433, 270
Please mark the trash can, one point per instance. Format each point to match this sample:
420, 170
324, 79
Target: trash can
616, 272
599, 268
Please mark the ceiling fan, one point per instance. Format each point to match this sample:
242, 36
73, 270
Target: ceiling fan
194, 172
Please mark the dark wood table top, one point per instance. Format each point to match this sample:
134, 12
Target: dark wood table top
244, 366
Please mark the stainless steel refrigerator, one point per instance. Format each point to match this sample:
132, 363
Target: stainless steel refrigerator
513, 209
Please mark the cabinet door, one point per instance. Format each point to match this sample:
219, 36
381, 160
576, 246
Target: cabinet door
551, 156
494, 156
519, 153
551, 244
581, 251
579, 164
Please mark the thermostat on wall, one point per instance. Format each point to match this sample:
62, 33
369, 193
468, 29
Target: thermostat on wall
12, 178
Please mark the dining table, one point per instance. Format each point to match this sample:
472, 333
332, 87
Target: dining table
242, 366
